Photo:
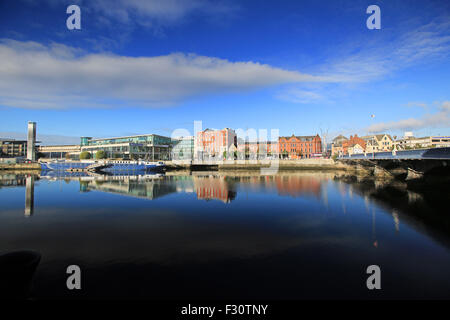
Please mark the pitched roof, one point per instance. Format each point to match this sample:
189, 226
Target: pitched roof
340, 137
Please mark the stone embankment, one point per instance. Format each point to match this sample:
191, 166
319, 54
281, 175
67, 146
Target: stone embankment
269, 165
20, 166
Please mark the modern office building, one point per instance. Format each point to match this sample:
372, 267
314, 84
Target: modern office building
11, 148
214, 143
183, 148
31, 142
147, 146
59, 151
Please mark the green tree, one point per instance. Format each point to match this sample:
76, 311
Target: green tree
224, 154
100, 154
85, 155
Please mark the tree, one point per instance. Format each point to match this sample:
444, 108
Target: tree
224, 154
100, 154
85, 155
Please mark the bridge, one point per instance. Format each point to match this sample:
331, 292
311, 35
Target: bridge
403, 165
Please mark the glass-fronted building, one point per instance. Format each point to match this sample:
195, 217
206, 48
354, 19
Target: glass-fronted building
150, 147
183, 148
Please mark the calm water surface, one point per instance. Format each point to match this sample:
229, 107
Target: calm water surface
210, 235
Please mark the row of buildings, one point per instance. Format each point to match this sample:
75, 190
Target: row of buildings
342, 145
211, 144
208, 144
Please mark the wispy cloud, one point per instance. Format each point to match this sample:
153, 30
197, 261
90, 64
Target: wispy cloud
438, 119
33, 75
296, 95
149, 12
374, 60
417, 104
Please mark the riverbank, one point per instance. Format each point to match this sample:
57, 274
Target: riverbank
20, 166
248, 165
229, 165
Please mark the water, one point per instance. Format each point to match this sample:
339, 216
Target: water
295, 235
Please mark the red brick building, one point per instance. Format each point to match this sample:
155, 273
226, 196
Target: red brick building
299, 147
353, 141
214, 143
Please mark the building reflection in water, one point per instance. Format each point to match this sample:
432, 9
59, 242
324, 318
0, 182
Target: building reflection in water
297, 186
148, 187
15, 180
29, 196
210, 187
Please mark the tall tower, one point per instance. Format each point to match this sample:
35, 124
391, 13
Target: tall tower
31, 148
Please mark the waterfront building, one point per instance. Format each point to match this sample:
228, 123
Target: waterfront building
336, 145
379, 143
410, 142
60, 151
214, 143
355, 148
299, 147
31, 141
147, 146
10, 148
257, 149
183, 148
354, 145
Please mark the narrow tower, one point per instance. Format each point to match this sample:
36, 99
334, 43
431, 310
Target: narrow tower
31, 148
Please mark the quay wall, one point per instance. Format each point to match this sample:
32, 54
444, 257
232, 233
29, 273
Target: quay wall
20, 166
300, 164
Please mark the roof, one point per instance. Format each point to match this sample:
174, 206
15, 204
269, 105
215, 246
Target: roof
301, 138
340, 137
124, 137
14, 140
380, 136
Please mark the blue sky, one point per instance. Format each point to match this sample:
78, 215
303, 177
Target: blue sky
302, 67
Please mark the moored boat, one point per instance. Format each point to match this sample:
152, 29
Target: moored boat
102, 165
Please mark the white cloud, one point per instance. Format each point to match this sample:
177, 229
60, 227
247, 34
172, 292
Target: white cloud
33, 75
439, 119
151, 13
374, 60
296, 95
166, 11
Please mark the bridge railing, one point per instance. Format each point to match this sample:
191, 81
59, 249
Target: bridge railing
432, 153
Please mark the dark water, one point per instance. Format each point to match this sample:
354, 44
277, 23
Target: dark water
288, 236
